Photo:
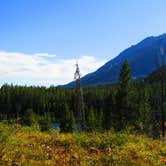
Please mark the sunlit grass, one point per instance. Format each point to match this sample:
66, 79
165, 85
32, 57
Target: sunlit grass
28, 146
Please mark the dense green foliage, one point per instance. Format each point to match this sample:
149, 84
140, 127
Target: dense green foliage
67, 123
118, 106
125, 98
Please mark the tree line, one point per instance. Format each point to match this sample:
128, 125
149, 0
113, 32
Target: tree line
128, 104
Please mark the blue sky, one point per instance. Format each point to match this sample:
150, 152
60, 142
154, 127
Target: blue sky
73, 29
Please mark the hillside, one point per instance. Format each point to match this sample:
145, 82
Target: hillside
155, 76
141, 57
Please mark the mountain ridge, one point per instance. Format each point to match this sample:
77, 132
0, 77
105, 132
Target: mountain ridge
141, 57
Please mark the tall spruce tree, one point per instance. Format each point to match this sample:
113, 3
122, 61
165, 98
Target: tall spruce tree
144, 110
124, 98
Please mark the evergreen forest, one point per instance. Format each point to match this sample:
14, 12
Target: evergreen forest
127, 104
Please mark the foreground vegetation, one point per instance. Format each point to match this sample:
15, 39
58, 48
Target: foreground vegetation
22, 145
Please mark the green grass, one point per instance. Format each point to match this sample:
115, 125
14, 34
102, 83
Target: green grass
28, 146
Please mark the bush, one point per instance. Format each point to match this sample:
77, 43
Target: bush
29, 118
45, 124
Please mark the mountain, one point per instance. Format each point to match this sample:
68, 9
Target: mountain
155, 76
142, 57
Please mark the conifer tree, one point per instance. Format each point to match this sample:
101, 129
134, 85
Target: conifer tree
124, 97
109, 112
99, 125
67, 123
91, 120
144, 109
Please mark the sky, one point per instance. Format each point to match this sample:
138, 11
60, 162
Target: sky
40, 40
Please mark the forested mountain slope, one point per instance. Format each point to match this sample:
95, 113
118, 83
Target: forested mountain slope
142, 58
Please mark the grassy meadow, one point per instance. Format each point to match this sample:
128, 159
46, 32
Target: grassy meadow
26, 146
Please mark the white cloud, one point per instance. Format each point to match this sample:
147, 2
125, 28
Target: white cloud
44, 55
42, 68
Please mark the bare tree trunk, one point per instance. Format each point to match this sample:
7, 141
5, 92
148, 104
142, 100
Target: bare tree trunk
80, 107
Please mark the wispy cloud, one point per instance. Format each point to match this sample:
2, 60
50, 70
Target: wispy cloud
42, 68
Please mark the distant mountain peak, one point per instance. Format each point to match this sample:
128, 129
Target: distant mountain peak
141, 57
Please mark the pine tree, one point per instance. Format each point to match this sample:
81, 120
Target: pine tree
72, 122
144, 110
109, 112
91, 120
67, 123
99, 124
124, 98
